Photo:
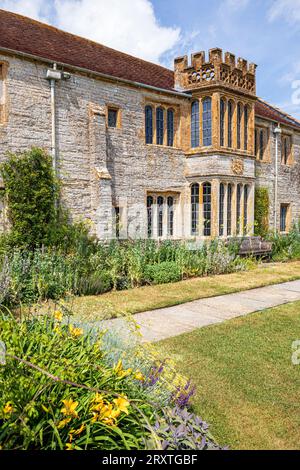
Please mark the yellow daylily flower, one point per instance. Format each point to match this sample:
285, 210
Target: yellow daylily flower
58, 315
75, 332
70, 408
120, 371
69, 446
8, 408
63, 423
139, 376
122, 404
98, 398
78, 431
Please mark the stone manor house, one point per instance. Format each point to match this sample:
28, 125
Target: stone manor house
143, 151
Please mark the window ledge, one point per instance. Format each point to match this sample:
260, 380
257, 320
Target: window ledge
168, 147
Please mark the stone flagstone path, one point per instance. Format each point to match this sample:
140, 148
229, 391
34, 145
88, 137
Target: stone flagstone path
159, 324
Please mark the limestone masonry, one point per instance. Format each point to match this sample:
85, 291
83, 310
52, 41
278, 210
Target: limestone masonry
143, 151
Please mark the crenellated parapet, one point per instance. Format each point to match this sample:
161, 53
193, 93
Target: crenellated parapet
226, 72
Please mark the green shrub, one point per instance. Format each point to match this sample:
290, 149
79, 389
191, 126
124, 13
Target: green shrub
162, 273
31, 191
261, 212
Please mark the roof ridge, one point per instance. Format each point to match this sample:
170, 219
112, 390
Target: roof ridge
81, 38
279, 110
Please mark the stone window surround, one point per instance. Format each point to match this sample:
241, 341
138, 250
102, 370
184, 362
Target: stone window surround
236, 101
215, 187
165, 106
288, 217
267, 150
3, 92
290, 160
176, 207
119, 116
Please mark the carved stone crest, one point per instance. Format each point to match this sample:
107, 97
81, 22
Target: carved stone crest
237, 166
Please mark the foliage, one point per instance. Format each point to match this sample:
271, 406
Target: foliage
31, 191
261, 211
167, 271
30, 276
62, 389
287, 246
180, 429
36, 218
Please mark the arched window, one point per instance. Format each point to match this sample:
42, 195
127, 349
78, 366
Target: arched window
170, 127
222, 122
229, 208
206, 121
286, 150
195, 124
149, 124
160, 215
246, 119
159, 126
207, 209
150, 216
194, 209
238, 126
221, 210
170, 203
246, 197
238, 208
230, 117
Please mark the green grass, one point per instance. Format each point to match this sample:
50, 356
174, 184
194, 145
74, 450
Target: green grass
116, 303
247, 387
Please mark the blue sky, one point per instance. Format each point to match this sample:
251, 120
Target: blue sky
266, 32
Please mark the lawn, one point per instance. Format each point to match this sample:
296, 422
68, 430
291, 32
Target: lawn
247, 387
116, 303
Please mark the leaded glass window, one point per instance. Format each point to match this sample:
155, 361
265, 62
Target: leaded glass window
261, 144
207, 209
238, 208
170, 203
222, 122
221, 210
149, 124
195, 209
150, 215
206, 122
238, 128
159, 126
229, 208
246, 119
230, 117
160, 215
195, 124
246, 197
170, 127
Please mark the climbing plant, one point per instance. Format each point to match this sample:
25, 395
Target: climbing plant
261, 211
31, 190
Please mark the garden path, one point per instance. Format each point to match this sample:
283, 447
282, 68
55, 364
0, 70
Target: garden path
163, 323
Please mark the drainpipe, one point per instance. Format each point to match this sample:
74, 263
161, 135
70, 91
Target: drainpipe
277, 132
54, 75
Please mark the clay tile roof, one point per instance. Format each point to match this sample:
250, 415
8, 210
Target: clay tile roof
23, 34
266, 110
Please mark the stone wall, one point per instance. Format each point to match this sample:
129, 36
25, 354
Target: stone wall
288, 175
96, 164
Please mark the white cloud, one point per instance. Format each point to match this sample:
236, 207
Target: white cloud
37, 9
287, 9
127, 25
235, 4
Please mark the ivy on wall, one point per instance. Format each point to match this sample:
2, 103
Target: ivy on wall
31, 191
261, 211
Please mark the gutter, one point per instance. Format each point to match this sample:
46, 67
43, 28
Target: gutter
277, 131
96, 74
